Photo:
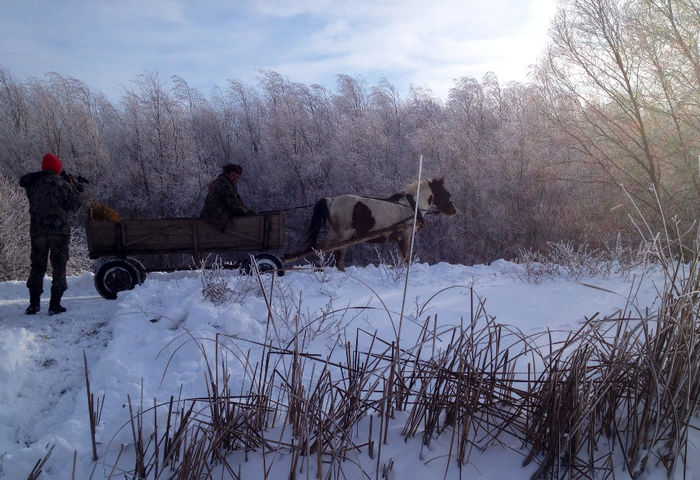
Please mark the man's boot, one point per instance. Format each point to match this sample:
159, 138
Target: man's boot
55, 305
34, 303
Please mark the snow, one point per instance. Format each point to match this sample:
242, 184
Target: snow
141, 346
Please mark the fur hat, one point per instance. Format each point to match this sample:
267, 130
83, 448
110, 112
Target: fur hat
232, 167
51, 162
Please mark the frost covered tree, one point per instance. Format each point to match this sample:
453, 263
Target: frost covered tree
621, 80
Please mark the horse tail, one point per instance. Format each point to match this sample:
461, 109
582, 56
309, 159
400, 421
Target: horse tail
319, 219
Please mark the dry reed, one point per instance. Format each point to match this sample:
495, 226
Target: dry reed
619, 390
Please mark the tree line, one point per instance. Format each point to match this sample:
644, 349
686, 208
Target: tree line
611, 117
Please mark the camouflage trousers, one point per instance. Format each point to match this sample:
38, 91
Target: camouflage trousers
44, 247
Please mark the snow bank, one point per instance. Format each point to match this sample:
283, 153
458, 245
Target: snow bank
155, 342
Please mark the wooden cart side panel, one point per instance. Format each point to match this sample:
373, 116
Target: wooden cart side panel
147, 235
170, 235
245, 233
101, 237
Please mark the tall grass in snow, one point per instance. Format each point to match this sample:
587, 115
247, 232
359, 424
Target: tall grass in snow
618, 392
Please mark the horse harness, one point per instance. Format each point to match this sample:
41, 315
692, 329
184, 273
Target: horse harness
411, 204
414, 207
409, 198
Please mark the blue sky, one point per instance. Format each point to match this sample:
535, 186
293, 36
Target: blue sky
428, 44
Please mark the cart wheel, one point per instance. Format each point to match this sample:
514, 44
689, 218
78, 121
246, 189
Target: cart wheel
140, 270
266, 263
116, 276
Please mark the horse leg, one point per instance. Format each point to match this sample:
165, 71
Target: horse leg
332, 237
339, 259
403, 243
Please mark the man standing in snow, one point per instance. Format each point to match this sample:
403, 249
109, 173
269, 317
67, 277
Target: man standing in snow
50, 199
222, 201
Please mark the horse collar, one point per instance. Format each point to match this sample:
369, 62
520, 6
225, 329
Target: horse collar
412, 203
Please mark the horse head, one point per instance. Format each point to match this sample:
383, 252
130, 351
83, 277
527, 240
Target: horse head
440, 197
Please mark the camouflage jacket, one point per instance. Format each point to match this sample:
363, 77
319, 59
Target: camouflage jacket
51, 198
222, 203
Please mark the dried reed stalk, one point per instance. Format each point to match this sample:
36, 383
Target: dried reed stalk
628, 382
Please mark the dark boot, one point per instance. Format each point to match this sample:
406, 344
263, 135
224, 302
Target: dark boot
55, 305
34, 303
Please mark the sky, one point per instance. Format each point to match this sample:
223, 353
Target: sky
426, 44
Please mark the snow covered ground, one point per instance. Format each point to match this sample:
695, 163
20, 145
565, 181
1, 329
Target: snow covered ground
140, 345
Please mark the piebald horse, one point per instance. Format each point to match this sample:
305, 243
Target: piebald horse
350, 217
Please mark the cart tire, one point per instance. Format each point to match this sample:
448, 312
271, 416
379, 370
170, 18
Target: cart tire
266, 263
140, 270
116, 276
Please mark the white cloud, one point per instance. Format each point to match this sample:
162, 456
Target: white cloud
426, 46
209, 42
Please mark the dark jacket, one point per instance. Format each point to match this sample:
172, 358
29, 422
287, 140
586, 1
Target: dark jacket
51, 198
222, 203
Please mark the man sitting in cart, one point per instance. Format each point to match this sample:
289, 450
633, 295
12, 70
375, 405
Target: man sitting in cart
223, 201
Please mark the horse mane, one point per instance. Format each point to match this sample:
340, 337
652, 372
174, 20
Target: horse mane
412, 188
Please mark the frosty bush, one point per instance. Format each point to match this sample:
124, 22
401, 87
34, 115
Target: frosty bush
628, 256
536, 266
320, 264
392, 268
79, 261
14, 231
216, 284
563, 258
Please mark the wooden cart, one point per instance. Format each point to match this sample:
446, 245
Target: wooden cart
117, 242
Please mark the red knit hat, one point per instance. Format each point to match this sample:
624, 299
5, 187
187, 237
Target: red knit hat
51, 162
